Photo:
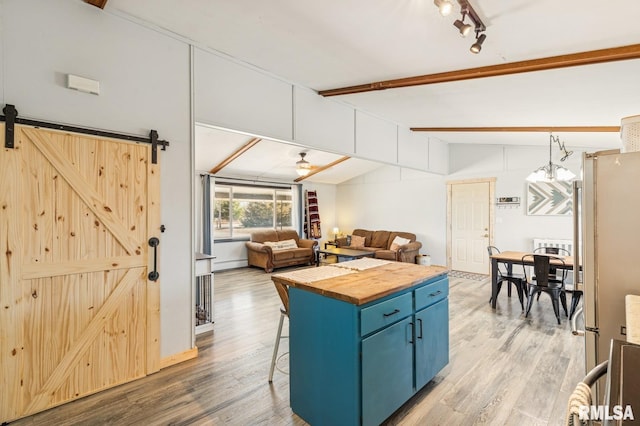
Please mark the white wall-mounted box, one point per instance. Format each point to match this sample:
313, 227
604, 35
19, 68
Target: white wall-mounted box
83, 84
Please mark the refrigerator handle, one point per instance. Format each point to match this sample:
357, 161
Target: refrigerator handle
577, 255
574, 326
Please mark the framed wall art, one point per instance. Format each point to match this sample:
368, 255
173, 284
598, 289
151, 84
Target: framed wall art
553, 198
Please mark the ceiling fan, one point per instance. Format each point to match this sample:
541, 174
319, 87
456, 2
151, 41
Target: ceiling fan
303, 167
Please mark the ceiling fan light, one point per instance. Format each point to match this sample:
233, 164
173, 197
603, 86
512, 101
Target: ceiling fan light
477, 46
302, 171
464, 29
444, 6
302, 166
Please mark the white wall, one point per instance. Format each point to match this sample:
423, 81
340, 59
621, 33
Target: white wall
376, 139
236, 97
396, 199
322, 123
229, 255
413, 149
392, 198
510, 165
144, 81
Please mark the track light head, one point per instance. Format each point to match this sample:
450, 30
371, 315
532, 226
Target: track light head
464, 29
477, 46
444, 6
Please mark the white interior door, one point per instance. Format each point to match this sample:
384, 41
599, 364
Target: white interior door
470, 227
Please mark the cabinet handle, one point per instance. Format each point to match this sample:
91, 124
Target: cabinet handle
435, 294
420, 328
395, 311
412, 333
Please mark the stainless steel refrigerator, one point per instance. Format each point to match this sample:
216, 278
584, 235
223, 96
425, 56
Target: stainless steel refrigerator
607, 229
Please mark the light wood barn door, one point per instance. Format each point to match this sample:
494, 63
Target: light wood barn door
77, 311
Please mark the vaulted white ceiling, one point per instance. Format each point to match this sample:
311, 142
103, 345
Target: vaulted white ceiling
336, 43
269, 160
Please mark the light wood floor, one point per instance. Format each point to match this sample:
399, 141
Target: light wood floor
503, 369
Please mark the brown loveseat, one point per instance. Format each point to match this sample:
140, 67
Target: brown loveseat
269, 256
380, 243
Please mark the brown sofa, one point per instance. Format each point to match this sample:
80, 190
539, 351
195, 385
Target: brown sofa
380, 242
264, 256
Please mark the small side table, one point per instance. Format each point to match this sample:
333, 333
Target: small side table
326, 244
331, 243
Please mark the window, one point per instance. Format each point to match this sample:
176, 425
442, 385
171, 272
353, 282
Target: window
240, 210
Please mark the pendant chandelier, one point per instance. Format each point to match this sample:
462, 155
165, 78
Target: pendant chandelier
553, 172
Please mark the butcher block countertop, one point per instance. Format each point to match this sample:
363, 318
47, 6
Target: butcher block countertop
361, 286
632, 309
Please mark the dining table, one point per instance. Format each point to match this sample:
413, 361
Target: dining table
510, 257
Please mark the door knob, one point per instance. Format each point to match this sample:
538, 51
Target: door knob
486, 235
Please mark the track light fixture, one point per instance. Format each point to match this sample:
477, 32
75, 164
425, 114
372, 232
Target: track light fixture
464, 29
477, 46
444, 6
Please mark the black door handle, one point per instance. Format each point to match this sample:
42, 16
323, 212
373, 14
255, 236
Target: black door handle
154, 275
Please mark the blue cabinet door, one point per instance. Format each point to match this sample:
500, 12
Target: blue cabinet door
387, 371
432, 341
324, 359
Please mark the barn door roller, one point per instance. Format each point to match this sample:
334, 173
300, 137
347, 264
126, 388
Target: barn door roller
10, 113
153, 139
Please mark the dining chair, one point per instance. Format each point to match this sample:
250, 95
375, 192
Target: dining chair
552, 250
541, 283
553, 273
576, 295
283, 292
517, 280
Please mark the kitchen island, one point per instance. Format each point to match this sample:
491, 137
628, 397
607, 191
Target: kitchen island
365, 339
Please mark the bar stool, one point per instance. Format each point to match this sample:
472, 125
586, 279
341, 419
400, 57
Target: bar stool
283, 292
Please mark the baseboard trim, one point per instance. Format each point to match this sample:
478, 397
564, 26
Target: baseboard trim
229, 264
178, 358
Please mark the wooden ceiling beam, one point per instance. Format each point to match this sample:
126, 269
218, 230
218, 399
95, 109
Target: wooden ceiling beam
97, 3
569, 129
317, 170
244, 148
562, 61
